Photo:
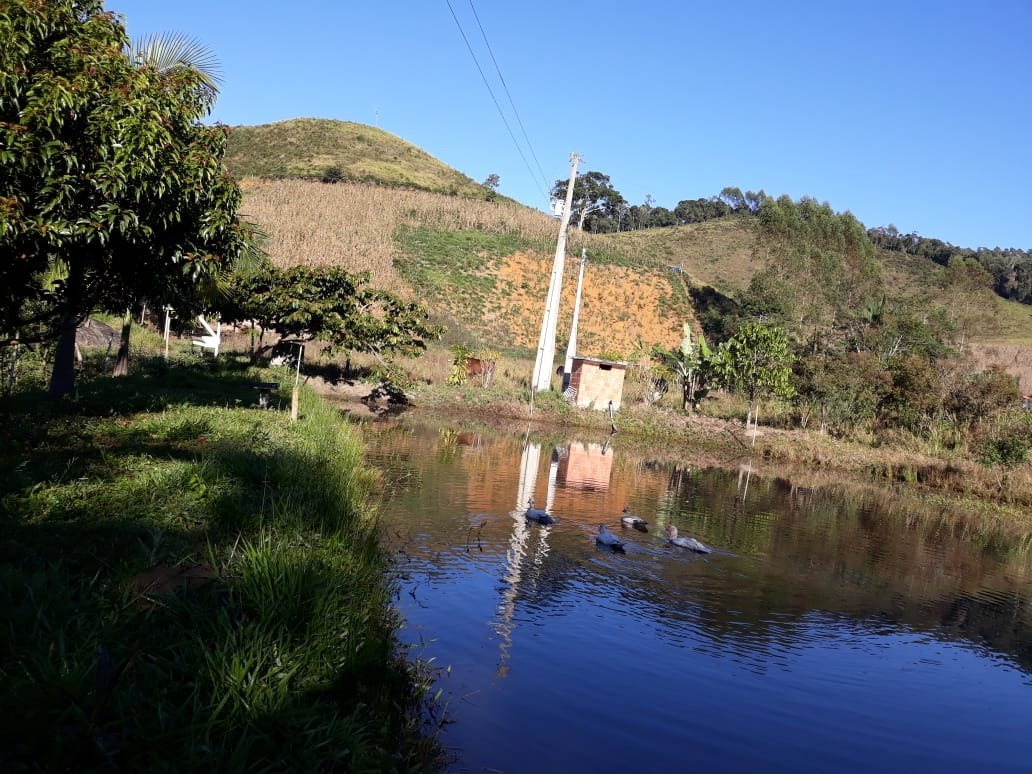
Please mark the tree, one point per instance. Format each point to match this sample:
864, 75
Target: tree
756, 361
329, 304
593, 193
699, 210
820, 270
971, 307
109, 184
491, 182
165, 53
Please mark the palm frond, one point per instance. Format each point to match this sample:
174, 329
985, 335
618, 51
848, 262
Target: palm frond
170, 50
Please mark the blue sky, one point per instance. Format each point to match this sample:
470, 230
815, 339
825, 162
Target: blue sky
913, 113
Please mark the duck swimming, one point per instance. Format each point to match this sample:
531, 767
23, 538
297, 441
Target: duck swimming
685, 542
629, 520
607, 538
538, 515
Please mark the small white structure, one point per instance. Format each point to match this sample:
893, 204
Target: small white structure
213, 339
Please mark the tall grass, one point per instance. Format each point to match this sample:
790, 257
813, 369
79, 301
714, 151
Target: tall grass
353, 225
196, 588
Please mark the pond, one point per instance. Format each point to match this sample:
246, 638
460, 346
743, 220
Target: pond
826, 632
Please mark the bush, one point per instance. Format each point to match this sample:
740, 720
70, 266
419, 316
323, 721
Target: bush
333, 175
1008, 449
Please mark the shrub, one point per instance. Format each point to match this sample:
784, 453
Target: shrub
332, 175
1006, 449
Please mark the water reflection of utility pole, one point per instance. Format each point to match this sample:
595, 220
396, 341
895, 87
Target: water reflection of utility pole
743, 490
530, 463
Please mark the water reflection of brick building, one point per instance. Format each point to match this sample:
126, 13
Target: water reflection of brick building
585, 466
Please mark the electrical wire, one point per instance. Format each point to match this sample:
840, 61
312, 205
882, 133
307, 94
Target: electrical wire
494, 99
505, 86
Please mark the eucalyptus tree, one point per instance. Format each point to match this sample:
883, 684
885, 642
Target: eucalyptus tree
106, 174
593, 194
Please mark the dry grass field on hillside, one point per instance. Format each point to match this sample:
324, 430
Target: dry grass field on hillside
721, 253
353, 225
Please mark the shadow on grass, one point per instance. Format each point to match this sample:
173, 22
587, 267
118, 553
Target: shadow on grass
279, 654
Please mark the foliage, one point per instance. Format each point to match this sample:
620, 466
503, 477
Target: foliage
693, 365
820, 268
333, 174
983, 396
842, 391
1009, 269
330, 304
593, 195
113, 190
461, 354
757, 362
1006, 450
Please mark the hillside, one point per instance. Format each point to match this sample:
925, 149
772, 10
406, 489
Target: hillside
482, 266
308, 147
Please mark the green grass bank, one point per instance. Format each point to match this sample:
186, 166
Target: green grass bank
189, 583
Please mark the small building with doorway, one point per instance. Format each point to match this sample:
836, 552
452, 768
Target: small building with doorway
597, 382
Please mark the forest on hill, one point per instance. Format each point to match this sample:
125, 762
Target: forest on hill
599, 207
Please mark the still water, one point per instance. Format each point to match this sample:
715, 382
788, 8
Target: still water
825, 633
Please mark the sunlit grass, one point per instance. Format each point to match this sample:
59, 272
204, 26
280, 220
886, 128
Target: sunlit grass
195, 587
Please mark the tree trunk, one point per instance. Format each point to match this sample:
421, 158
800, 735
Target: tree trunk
122, 361
62, 377
12, 373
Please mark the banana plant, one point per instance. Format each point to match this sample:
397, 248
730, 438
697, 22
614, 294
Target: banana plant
692, 364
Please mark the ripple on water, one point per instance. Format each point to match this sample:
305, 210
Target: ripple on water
824, 635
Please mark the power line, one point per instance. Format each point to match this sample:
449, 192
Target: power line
493, 99
505, 86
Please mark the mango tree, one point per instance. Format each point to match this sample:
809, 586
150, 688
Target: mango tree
332, 305
110, 187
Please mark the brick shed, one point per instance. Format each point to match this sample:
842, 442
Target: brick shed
597, 382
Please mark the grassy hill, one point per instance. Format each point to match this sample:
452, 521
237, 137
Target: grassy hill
308, 147
483, 266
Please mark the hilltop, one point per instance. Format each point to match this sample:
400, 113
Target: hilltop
310, 147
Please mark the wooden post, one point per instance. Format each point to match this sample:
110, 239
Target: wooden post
293, 403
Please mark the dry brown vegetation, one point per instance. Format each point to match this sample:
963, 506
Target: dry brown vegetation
1015, 358
353, 224
721, 253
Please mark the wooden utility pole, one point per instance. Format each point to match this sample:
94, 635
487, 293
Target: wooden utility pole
542, 377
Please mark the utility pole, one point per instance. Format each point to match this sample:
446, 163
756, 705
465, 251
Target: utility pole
571, 347
542, 377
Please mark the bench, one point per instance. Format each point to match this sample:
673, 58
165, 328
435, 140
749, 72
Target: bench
264, 389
